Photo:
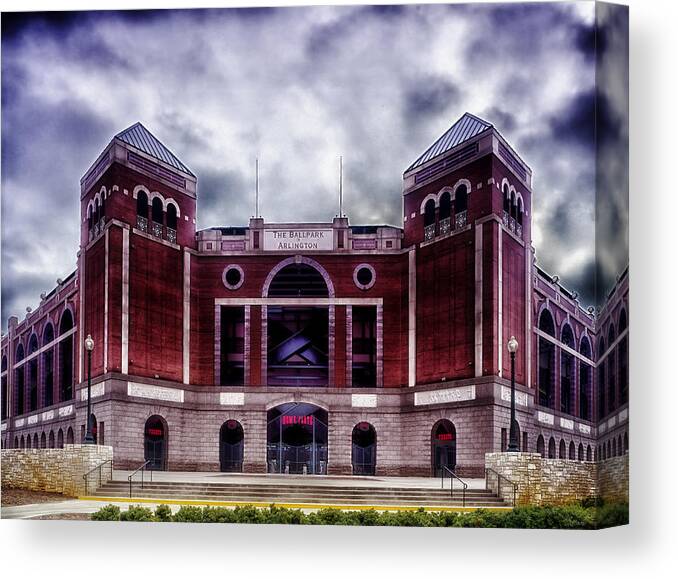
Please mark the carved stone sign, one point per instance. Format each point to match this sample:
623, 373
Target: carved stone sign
298, 240
364, 400
545, 417
232, 398
19, 422
155, 392
49, 415
66, 410
585, 429
3, 427
567, 423
521, 397
623, 415
458, 394
612, 422
97, 390
33, 419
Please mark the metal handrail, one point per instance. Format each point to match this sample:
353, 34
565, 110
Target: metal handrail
453, 475
97, 468
141, 468
501, 476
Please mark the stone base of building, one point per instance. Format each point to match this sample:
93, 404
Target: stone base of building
55, 470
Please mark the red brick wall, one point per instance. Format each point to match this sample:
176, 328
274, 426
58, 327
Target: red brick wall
155, 309
95, 259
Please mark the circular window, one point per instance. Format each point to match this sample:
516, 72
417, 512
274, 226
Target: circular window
233, 276
364, 276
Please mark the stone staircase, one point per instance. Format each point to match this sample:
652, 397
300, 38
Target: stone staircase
272, 492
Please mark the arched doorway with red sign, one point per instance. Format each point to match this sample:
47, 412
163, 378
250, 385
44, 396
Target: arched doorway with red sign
443, 446
155, 443
296, 441
231, 446
364, 449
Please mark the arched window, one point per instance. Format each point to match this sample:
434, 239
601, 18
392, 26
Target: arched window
567, 372
69, 436
66, 359
97, 213
16, 442
48, 365
231, 446
298, 280
600, 386
26, 443
609, 449
546, 360
611, 372
33, 374
35, 440
562, 449
514, 206
19, 380
51, 439
445, 213
43, 440
429, 219
156, 210
60, 439
572, 451
460, 201
90, 219
552, 448
506, 195
519, 216
540, 446
623, 358
580, 452
142, 204
585, 380
614, 446
589, 454
626, 442
155, 442
171, 216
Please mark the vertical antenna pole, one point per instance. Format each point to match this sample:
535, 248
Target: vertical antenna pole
256, 196
341, 186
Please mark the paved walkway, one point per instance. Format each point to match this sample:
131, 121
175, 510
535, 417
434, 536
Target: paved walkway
288, 479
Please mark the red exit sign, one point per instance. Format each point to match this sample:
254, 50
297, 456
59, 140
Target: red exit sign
445, 436
305, 420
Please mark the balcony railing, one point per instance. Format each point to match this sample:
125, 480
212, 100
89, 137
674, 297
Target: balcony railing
512, 224
156, 229
505, 219
460, 220
519, 230
429, 232
445, 225
142, 223
171, 235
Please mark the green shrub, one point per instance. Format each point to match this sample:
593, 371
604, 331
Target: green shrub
107, 513
575, 516
612, 515
137, 513
163, 514
188, 514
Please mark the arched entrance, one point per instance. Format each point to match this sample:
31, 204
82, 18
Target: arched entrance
443, 446
155, 443
364, 449
297, 439
231, 446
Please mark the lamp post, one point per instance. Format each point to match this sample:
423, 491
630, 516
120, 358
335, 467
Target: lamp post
89, 346
513, 435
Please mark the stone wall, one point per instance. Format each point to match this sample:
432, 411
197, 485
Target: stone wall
541, 481
613, 479
57, 470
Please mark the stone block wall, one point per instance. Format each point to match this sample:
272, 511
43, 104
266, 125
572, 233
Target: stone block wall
56, 470
613, 479
541, 481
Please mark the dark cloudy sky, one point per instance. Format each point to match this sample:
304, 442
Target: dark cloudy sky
298, 87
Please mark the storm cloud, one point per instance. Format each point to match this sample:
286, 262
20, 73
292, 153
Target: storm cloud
296, 88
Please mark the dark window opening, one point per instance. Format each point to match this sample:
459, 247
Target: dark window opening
364, 276
66, 357
298, 280
567, 372
552, 448
233, 276
364, 449
364, 346
429, 213
231, 446
547, 351
172, 216
585, 382
298, 346
156, 210
232, 345
142, 205
445, 206
461, 199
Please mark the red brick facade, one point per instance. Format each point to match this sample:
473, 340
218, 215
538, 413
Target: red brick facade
419, 317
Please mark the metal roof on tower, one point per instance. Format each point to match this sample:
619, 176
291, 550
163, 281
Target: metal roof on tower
141, 138
465, 128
